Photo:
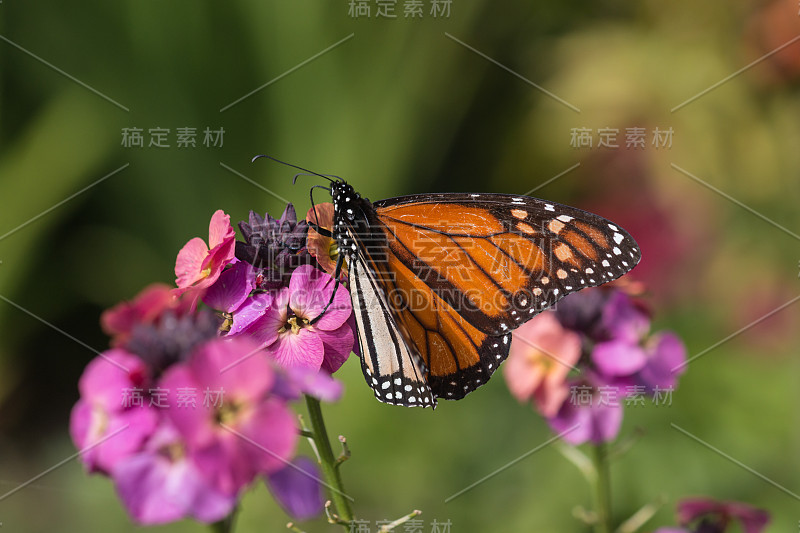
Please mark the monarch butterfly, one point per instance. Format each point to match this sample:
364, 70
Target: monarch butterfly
439, 281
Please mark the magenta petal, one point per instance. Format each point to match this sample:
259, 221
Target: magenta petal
594, 423
225, 465
753, 520
310, 291
157, 488
252, 309
231, 289
303, 348
318, 384
305, 293
338, 345
272, 434
237, 366
623, 320
618, 358
110, 378
104, 439
298, 489
264, 330
194, 423
665, 355
143, 484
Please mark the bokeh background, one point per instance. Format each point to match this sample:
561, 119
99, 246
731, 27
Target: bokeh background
401, 106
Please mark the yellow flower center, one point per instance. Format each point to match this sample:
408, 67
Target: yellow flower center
227, 322
295, 324
228, 412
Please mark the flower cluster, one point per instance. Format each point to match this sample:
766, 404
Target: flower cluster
578, 362
706, 515
273, 327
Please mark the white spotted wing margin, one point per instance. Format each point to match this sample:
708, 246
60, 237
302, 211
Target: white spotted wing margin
392, 368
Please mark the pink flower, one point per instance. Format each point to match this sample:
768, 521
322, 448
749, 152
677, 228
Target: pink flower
285, 330
541, 355
146, 308
162, 483
240, 429
713, 516
199, 265
592, 413
106, 423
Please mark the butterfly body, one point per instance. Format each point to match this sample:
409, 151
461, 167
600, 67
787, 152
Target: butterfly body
439, 281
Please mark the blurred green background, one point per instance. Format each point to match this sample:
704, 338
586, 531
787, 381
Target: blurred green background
402, 106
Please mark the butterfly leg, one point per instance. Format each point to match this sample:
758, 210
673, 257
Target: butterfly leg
336, 275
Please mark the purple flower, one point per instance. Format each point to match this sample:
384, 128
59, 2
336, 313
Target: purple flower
285, 330
665, 356
242, 429
232, 287
173, 338
298, 489
231, 295
107, 423
592, 413
706, 515
276, 246
162, 483
622, 319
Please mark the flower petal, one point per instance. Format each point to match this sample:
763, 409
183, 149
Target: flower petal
273, 436
188, 265
265, 328
237, 366
111, 377
298, 489
231, 289
303, 348
623, 319
618, 358
338, 344
220, 229
666, 354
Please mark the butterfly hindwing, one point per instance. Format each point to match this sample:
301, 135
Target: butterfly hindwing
390, 364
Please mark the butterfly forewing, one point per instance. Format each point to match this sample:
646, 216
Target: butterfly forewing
501, 259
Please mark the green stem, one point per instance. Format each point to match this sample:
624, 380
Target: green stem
328, 462
602, 490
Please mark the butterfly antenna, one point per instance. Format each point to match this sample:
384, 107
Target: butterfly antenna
322, 231
327, 177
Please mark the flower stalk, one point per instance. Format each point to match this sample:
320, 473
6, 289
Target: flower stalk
328, 463
602, 489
